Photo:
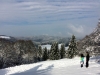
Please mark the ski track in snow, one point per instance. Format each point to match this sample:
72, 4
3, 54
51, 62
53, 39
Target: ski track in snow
54, 67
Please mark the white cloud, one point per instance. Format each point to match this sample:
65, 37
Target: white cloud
45, 12
77, 29
33, 10
70, 34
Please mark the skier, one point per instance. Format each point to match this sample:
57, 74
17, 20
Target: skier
82, 60
87, 59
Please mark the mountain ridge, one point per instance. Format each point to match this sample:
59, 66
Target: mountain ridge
91, 42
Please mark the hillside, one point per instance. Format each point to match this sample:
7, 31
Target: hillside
91, 42
44, 39
20, 52
55, 67
16, 53
9, 38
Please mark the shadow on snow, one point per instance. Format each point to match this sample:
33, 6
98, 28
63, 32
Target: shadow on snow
3, 72
35, 71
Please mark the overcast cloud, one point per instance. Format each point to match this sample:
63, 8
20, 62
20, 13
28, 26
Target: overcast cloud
48, 17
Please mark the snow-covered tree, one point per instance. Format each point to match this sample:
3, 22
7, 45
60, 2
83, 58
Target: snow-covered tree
72, 50
54, 52
51, 52
40, 53
57, 52
48, 54
45, 54
62, 51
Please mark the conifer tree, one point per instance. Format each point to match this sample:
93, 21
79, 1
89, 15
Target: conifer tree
51, 55
54, 52
45, 54
72, 50
57, 52
40, 53
48, 54
62, 51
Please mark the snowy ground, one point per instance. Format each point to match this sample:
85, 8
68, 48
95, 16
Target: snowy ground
48, 46
55, 67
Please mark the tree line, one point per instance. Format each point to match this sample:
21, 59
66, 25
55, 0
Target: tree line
25, 52
55, 53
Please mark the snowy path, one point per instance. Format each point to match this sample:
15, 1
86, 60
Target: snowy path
57, 67
76, 70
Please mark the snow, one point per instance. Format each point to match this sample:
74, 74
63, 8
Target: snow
5, 37
97, 38
66, 48
54, 67
49, 46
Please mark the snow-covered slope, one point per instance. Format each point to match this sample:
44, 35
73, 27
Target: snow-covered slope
91, 42
48, 46
55, 67
4, 37
7, 38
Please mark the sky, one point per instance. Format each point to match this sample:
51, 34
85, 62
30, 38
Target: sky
48, 17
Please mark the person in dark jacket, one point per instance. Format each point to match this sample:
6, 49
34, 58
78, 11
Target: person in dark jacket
87, 59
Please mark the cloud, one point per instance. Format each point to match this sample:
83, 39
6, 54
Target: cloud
76, 29
70, 34
53, 14
32, 11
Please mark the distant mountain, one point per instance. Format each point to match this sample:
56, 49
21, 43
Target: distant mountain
4, 37
44, 39
91, 42
9, 38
